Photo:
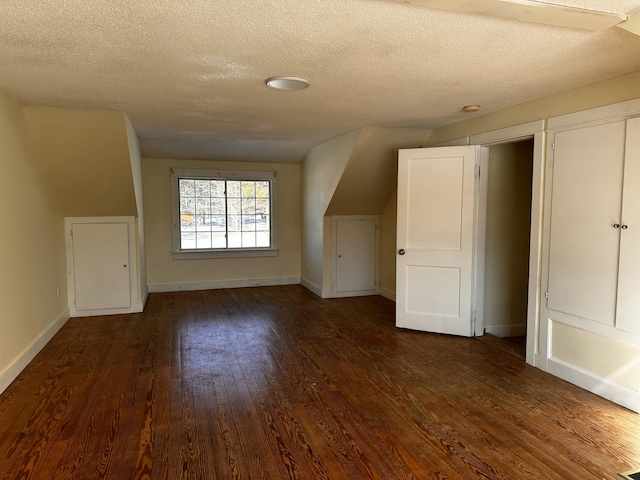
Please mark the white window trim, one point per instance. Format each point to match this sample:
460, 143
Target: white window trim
180, 254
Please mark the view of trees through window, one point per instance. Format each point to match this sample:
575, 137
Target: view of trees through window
221, 214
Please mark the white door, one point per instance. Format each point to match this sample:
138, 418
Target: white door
585, 206
101, 266
356, 256
436, 239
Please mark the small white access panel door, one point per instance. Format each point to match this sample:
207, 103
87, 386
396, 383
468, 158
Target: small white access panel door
101, 266
356, 255
436, 239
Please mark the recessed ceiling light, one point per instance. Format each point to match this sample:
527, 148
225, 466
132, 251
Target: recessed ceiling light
471, 108
287, 83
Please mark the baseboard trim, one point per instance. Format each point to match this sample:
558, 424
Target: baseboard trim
13, 370
503, 331
593, 383
188, 287
312, 287
386, 293
355, 293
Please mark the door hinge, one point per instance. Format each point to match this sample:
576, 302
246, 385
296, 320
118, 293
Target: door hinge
553, 146
477, 172
546, 295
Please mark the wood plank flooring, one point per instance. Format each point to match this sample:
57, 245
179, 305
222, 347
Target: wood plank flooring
275, 383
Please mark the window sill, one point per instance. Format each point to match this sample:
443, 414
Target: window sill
231, 253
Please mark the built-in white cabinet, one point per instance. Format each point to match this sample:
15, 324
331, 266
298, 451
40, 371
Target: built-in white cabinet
594, 247
590, 310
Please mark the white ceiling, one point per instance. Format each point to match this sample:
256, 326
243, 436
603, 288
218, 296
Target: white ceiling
190, 73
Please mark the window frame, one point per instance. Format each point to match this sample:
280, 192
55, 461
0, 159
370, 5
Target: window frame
236, 175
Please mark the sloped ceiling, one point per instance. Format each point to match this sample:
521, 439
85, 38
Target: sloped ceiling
85, 155
190, 75
369, 178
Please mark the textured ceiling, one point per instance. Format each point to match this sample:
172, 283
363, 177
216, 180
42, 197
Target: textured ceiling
190, 74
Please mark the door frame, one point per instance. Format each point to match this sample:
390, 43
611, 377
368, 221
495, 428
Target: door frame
133, 268
334, 293
535, 130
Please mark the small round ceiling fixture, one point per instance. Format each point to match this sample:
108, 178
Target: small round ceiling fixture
471, 108
287, 83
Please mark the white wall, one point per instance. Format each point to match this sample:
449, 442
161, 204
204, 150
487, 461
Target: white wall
165, 273
136, 173
321, 171
32, 251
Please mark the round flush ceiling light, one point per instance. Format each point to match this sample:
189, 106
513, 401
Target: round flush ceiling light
471, 108
287, 83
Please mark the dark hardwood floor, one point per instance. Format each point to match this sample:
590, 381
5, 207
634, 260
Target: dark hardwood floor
276, 383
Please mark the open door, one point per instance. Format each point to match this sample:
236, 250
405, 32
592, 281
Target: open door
437, 239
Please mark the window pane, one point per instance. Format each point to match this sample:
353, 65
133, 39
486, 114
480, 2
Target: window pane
248, 223
262, 206
233, 223
203, 205
234, 206
218, 223
218, 206
187, 206
234, 239
248, 239
203, 240
187, 240
248, 189
233, 188
262, 223
202, 223
218, 240
217, 188
263, 239
249, 206
187, 187
262, 189
202, 188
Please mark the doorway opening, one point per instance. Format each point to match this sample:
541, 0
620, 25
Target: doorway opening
508, 233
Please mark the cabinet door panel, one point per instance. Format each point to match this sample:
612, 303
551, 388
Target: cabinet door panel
628, 313
586, 203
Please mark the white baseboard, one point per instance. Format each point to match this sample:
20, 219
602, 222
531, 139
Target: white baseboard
12, 371
593, 383
355, 293
143, 301
386, 293
503, 331
312, 287
187, 287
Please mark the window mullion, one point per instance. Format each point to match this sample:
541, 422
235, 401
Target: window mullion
226, 215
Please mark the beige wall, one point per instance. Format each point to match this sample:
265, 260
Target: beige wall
615, 90
506, 277
85, 155
369, 178
320, 174
32, 251
162, 269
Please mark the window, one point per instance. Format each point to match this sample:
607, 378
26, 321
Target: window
219, 213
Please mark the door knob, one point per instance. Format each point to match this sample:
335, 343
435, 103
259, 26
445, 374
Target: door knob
624, 227
616, 225
401, 251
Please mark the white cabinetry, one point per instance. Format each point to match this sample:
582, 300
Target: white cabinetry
590, 318
595, 224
